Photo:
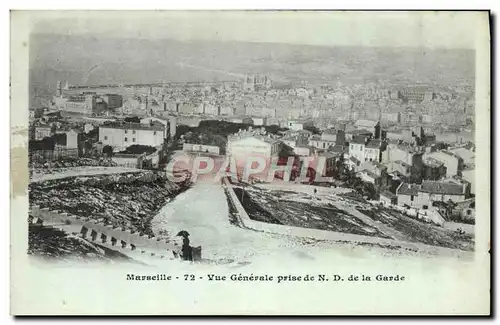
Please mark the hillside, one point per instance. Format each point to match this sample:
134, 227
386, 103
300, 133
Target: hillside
61, 57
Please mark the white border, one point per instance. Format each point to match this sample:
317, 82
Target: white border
186, 4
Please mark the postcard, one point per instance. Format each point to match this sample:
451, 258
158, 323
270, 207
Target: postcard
250, 163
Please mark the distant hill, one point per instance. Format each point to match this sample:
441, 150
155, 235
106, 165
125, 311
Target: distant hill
63, 57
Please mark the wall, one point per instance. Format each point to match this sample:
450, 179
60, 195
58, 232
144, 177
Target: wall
322, 234
200, 148
451, 163
124, 241
133, 161
116, 137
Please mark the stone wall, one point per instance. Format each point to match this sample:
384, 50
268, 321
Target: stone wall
125, 241
325, 234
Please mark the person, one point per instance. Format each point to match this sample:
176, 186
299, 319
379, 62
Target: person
186, 249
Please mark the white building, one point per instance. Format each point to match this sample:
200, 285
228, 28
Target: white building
372, 126
451, 161
73, 138
192, 147
298, 125
422, 196
317, 142
259, 121
121, 136
243, 148
364, 149
44, 131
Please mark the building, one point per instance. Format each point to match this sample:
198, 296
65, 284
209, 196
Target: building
304, 151
350, 135
416, 94
365, 149
467, 155
123, 135
242, 147
373, 150
44, 131
452, 162
73, 138
331, 159
368, 177
371, 126
128, 160
192, 147
423, 196
373, 172
259, 121
317, 142
329, 135
387, 198
410, 155
169, 122
433, 169
390, 117
298, 125
84, 104
112, 101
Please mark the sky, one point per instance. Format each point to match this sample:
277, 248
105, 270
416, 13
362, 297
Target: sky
383, 29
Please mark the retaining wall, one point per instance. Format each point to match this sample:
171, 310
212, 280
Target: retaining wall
324, 234
125, 241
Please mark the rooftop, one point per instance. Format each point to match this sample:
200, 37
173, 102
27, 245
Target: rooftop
155, 126
359, 139
388, 194
441, 188
408, 189
366, 123
375, 144
360, 132
330, 131
402, 163
237, 137
338, 148
431, 162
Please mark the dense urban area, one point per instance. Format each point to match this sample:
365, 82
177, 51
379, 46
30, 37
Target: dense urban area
400, 160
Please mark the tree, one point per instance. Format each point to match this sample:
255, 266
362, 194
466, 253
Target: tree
107, 150
132, 119
139, 149
312, 128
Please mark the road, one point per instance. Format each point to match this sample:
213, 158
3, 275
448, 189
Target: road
203, 212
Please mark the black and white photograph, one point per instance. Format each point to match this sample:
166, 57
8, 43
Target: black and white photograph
299, 151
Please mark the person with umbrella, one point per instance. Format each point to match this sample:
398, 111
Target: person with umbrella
186, 248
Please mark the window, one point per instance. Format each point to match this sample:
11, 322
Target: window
133, 131
412, 197
105, 137
154, 132
126, 139
469, 212
425, 207
133, 139
126, 131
